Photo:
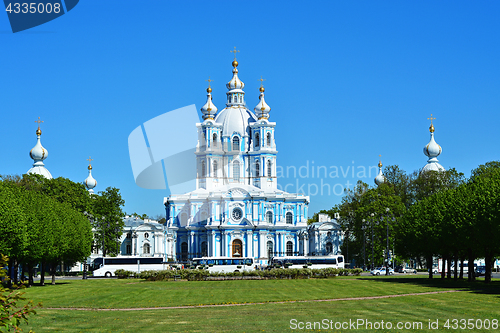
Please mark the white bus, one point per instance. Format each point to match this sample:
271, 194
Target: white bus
108, 266
225, 264
333, 261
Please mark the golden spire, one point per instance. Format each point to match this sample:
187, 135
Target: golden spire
379, 161
90, 160
235, 63
431, 128
209, 89
261, 89
38, 131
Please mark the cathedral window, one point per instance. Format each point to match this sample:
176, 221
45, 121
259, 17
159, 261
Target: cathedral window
270, 249
184, 251
329, 247
269, 217
241, 99
237, 248
289, 218
236, 171
215, 169
146, 235
269, 168
214, 140
204, 249
203, 171
129, 249
146, 249
236, 143
257, 168
289, 248
269, 139
257, 140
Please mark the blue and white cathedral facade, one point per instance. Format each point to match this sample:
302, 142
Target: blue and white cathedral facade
237, 209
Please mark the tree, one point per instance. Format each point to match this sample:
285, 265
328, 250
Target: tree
107, 219
12, 314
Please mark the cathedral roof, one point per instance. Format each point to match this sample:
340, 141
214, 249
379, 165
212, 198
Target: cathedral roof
38, 154
235, 119
90, 182
432, 150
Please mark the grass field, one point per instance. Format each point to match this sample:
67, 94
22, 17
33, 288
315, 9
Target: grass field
475, 301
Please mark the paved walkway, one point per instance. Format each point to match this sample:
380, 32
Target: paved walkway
259, 303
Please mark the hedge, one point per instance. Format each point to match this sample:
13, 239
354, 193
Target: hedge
203, 274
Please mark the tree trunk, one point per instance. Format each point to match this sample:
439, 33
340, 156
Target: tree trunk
11, 272
443, 267
42, 274
23, 272
53, 272
471, 275
429, 266
448, 275
16, 271
461, 268
30, 274
488, 261
456, 266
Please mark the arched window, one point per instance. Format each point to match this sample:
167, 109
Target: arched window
289, 218
204, 249
214, 140
289, 248
236, 143
214, 172
270, 249
269, 168
146, 249
203, 170
236, 171
269, 217
257, 168
237, 248
184, 251
257, 139
329, 247
269, 139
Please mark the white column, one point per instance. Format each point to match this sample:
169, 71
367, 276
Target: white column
249, 246
262, 242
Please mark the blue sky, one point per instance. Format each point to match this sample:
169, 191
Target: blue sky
346, 81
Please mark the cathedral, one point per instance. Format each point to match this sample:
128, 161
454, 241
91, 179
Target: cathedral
237, 209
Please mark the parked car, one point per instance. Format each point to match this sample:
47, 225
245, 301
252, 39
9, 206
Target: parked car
381, 271
434, 270
408, 270
480, 270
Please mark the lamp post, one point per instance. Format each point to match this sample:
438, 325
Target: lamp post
387, 250
363, 227
373, 253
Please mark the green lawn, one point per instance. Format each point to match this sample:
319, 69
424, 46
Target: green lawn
476, 302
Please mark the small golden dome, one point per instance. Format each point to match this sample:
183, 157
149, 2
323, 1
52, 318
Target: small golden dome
431, 128
379, 164
235, 63
38, 131
209, 90
261, 89
90, 167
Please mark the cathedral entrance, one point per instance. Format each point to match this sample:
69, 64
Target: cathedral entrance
237, 248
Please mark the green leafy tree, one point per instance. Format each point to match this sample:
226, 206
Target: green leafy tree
107, 220
12, 314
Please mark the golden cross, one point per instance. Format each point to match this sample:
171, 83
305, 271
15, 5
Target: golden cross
234, 52
209, 81
261, 80
431, 118
38, 121
89, 159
